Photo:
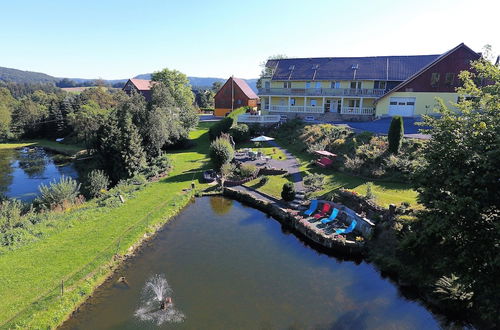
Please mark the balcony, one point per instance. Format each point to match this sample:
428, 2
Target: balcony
357, 111
258, 119
296, 109
363, 92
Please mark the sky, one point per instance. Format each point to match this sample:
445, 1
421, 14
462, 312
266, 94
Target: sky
120, 39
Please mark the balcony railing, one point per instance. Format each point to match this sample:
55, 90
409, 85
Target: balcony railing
296, 109
367, 92
258, 119
357, 111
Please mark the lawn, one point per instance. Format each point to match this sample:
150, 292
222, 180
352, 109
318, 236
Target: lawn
273, 187
81, 249
265, 148
385, 192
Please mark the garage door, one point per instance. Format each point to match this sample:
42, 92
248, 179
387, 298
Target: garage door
401, 106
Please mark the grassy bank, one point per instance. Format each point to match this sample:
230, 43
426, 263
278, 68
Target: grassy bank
65, 149
83, 248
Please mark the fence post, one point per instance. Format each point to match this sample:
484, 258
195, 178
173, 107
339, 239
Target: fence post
62, 288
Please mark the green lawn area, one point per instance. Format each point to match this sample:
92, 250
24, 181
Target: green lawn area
79, 249
385, 192
273, 187
66, 149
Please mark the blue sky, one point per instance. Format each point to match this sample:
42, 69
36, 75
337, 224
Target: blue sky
120, 39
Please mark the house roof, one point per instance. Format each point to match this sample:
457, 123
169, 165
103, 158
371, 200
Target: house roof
245, 88
393, 68
428, 66
142, 84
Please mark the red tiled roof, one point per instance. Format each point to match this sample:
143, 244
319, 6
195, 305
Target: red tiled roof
245, 88
142, 84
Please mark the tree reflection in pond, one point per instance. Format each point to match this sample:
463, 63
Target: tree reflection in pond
220, 205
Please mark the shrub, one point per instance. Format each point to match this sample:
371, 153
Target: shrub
58, 194
369, 192
221, 152
158, 166
288, 192
263, 180
248, 170
222, 126
314, 182
225, 171
240, 133
395, 135
96, 184
10, 214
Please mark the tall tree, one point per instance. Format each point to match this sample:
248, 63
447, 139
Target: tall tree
458, 236
178, 85
7, 103
396, 133
266, 71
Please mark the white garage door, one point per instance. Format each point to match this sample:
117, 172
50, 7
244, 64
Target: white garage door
401, 106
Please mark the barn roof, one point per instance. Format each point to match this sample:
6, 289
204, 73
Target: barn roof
245, 88
142, 84
395, 68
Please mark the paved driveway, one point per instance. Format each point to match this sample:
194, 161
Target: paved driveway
381, 126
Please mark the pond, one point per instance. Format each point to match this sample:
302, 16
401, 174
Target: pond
231, 267
23, 170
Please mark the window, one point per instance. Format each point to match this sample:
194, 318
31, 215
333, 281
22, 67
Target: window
282, 101
292, 101
355, 84
313, 103
239, 102
382, 84
308, 84
335, 84
410, 103
393, 103
267, 85
434, 79
287, 84
354, 103
449, 79
317, 85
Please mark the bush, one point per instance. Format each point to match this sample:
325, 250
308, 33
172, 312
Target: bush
10, 214
221, 152
58, 194
369, 192
158, 166
240, 133
247, 170
288, 192
314, 182
395, 135
96, 184
264, 180
222, 126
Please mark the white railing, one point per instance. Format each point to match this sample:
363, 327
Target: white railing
357, 111
323, 91
296, 108
258, 119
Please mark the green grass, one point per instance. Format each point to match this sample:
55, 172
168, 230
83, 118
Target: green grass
273, 187
66, 149
81, 246
385, 192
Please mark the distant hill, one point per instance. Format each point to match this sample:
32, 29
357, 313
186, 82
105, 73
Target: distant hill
19, 76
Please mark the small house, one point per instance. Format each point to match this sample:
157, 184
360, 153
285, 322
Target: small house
141, 86
235, 93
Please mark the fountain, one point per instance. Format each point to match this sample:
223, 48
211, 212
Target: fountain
156, 302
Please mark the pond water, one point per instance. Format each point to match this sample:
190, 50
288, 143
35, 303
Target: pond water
23, 170
231, 267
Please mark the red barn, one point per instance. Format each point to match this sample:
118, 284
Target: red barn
233, 94
141, 86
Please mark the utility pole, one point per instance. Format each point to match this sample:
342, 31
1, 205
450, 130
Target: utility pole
232, 93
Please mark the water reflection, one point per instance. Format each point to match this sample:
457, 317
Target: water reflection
220, 205
23, 170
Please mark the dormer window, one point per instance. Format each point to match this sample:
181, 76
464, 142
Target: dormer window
315, 66
355, 66
291, 67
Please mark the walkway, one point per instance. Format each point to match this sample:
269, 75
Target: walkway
291, 165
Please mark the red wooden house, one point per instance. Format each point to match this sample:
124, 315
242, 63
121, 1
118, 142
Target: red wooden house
141, 86
233, 94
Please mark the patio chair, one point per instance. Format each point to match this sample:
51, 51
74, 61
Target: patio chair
312, 208
332, 217
348, 229
322, 213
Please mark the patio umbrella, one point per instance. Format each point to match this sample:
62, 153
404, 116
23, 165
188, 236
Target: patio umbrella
262, 138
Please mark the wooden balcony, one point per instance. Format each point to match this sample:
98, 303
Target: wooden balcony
363, 92
357, 111
258, 119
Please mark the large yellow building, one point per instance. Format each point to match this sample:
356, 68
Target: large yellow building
361, 88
